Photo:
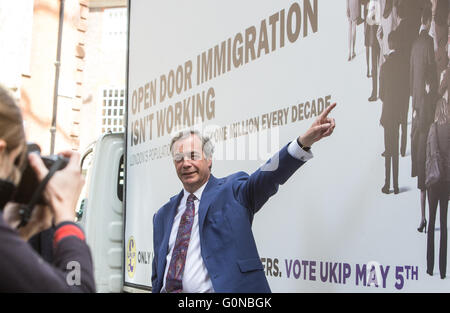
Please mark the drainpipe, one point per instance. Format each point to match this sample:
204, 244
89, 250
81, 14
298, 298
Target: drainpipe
57, 67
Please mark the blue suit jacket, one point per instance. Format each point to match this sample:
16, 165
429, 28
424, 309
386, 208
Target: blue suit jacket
226, 214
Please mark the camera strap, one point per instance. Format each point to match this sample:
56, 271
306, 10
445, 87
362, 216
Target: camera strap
25, 210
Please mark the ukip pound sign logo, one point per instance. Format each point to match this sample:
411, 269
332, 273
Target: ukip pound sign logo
131, 257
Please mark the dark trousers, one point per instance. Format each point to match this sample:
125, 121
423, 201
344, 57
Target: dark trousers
404, 124
387, 165
375, 49
391, 136
404, 127
438, 194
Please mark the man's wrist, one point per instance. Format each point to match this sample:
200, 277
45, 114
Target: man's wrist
297, 152
302, 144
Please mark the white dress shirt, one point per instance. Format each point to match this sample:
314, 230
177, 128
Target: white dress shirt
196, 277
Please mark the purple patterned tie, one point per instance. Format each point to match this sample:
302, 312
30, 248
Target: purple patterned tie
176, 268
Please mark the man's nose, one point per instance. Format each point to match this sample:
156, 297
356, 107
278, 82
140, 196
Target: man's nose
186, 163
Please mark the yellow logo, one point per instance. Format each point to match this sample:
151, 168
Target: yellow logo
131, 257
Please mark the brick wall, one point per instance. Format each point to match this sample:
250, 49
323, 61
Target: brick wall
37, 86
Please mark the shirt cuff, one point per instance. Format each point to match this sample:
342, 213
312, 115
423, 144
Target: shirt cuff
296, 152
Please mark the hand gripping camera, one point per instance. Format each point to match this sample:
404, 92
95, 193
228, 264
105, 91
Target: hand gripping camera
29, 191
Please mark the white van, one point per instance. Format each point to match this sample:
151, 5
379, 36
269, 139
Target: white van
100, 209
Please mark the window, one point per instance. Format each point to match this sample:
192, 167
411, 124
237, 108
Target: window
113, 108
120, 179
115, 28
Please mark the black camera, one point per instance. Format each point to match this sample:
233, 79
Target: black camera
29, 190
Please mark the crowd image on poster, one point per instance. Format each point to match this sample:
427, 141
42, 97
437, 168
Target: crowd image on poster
408, 43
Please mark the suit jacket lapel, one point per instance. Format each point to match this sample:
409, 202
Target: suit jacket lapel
206, 200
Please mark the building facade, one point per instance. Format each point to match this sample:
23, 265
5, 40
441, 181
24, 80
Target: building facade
65, 61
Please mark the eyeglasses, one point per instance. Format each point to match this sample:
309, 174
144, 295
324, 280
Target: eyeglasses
193, 156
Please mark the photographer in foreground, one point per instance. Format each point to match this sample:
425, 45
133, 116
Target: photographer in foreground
21, 268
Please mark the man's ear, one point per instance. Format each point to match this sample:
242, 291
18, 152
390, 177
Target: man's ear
2, 145
209, 164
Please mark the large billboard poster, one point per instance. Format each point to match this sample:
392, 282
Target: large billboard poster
254, 75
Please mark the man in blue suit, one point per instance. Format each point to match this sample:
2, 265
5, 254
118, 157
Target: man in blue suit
202, 237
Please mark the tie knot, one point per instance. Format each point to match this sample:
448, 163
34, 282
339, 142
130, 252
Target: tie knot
191, 197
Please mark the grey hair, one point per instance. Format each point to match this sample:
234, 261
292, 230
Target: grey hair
207, 145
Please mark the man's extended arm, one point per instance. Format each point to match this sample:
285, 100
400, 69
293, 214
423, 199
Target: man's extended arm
254, 190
